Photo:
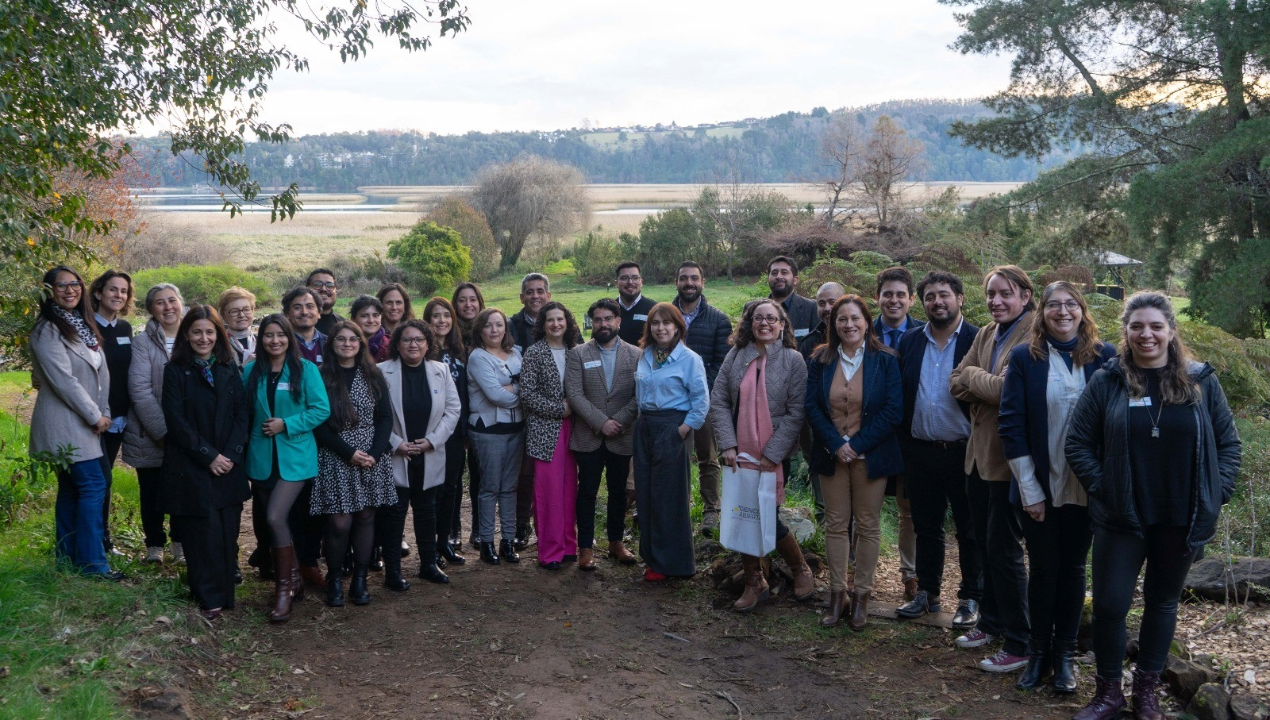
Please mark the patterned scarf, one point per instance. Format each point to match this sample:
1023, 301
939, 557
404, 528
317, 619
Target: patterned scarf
86, 336
205, 367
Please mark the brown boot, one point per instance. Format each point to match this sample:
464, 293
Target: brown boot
756, 590
586, 559
1146, 703
850, 582
859, 611
1107, 702
793, 555
618, 551
910, 589
283, 558
837, 608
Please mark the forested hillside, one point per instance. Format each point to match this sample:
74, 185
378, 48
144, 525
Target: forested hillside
784, 148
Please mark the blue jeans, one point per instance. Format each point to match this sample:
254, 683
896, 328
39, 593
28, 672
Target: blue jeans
81, 494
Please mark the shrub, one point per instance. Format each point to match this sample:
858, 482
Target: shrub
473, 231
434, 256
665, 239
595, 256
204, 283
362, 274
165, 242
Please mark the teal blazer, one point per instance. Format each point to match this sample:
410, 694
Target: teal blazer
297, 448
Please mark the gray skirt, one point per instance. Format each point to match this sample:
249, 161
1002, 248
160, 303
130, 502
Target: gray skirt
662, 489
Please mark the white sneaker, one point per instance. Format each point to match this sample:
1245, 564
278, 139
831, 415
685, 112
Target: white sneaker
178, 553
973, 639
154, 555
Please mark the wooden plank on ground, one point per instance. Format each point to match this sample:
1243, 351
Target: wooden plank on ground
887, 610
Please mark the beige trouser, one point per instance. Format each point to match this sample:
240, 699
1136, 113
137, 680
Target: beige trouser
850, 492
908, 537
708, 471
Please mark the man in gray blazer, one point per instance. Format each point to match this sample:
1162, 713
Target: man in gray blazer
599, 380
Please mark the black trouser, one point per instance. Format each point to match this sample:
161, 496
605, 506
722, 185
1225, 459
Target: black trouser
110, 444
150, 484
1057, 549
615, 467
999, 541
306, 530
262, 557
450, 493
390, 523
525, 497
211, 554
935, 482
1117, 560
474, 488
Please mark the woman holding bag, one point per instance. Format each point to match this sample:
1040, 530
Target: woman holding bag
760, 391
854, 401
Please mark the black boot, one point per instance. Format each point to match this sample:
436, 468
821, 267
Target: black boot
262, 560
377, 559
448, 552
433, 574
487, 553
1038, 668
394, 581
507, 552
1065, 667
1107, 702
357, 591
335, 589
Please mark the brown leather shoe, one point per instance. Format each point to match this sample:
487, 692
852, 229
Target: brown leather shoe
586, 559
859, 611
283, 557
837, 608
618, 551
804, 586
756, 590
910, 589
313, 576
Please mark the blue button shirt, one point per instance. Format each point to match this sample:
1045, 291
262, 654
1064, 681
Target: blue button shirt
680, 384
937, 416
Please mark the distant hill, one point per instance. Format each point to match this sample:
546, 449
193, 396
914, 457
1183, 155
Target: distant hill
784, 148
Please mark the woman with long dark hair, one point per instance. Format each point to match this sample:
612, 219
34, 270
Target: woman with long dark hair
396, 306
758, 396
1044, 379
468, 302
425, 406
288, 403
111, 296
204, 486
452, 351
72, 410
1153, 443
354, 470
547, 434
854, 401
670, 386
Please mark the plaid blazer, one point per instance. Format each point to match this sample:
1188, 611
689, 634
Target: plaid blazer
593, 404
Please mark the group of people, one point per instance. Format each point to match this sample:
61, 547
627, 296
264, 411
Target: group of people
1037, 435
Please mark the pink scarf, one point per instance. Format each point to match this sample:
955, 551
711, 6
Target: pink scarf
754, 420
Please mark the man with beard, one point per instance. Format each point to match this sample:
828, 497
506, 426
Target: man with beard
635, 307
708, 332
782, 281
322, 282
933, 437
301, 308
599, 380
535, 291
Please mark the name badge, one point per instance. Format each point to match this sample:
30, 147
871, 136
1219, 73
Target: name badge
284, 386
1140, 402
639, 318
123, 340
802, 333
592, 364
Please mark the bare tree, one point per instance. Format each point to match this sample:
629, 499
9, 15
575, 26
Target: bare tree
888, 164
530, 196
841, 147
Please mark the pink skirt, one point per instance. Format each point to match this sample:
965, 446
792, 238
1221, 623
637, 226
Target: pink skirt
555, 498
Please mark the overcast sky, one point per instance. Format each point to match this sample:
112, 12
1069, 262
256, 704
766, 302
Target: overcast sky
547, 65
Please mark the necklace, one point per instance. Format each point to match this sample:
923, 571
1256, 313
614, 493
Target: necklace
1155, 421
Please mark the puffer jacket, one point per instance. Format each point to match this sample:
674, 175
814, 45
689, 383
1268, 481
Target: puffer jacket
1098, 452
146, 428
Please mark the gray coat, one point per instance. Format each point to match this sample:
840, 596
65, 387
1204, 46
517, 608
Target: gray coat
593, 403
73, 396
786, 384
146, 428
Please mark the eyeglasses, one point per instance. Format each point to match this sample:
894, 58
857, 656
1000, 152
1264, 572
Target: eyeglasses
414, 341
629, 278
68, 285
239, 312
1069, 306
347, 339
766, 320
319, 284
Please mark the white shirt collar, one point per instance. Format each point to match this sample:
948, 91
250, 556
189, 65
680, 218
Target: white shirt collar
853, 360
633, 304
101, 321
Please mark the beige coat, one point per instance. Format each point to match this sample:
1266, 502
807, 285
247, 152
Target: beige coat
974, 382
786, 383
442, 420
73, 395
146, 428
593, 404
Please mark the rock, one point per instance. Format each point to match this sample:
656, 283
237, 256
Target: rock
1247, 707
1185, 677
1211, 702
1247, 579
707, 548
799, 521
153, 702
723, 571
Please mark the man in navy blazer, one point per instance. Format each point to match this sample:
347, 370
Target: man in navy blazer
933, 435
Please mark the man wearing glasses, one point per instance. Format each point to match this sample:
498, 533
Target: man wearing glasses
322, 282
630, 297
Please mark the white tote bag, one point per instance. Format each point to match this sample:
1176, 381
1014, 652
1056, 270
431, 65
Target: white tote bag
748, 522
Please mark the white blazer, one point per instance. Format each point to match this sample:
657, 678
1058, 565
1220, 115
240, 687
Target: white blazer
444, 417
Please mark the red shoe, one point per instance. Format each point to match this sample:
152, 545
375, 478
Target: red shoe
651, 575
